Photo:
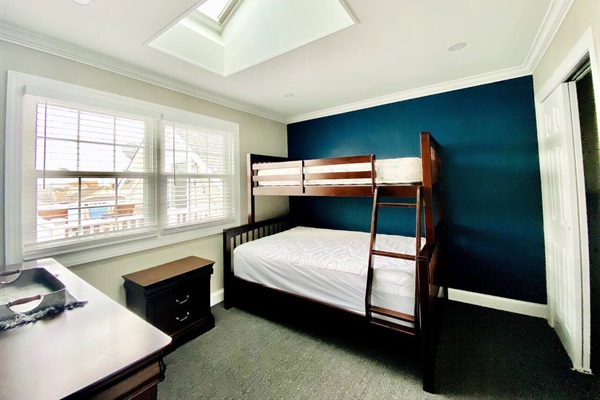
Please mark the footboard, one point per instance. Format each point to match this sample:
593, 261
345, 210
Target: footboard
234, 237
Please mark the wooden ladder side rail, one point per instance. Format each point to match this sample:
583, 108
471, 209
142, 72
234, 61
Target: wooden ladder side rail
370, 261
369, 309
417, 251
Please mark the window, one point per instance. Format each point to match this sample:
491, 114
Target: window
216, 13
215, 9
87, 174
111, 175
196, 176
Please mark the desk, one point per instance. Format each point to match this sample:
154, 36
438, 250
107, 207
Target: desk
98, 351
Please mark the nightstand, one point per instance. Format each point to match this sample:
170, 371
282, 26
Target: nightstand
174, 297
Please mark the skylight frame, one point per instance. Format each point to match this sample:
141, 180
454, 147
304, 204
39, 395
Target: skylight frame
224, 17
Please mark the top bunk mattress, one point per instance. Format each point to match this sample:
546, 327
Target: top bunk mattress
405, 170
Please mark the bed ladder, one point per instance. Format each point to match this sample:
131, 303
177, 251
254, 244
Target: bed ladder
370, 310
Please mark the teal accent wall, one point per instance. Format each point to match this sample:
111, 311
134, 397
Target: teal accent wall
491, 179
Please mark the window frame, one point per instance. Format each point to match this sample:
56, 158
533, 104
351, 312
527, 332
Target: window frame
224, 18
20, 84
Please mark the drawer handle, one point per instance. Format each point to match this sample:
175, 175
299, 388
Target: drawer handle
187, 314
187, 297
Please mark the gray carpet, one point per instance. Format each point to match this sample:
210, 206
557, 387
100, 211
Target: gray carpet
483, 354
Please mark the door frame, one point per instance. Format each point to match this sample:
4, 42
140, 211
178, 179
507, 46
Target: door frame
582, 49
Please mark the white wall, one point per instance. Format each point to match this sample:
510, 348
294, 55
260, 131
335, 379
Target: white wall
257, 135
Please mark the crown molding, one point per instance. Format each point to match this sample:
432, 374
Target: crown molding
553, 19
85, 56
415, 93
557, 11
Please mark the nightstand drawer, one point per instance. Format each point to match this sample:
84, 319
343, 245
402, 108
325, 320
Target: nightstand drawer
174, 297
176, 320
180, 306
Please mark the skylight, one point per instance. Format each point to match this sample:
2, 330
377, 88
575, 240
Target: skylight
217, 10
228, 36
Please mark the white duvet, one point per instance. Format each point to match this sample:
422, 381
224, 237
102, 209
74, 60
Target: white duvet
331, 266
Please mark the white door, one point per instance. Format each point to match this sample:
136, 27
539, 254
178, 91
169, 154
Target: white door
561, 210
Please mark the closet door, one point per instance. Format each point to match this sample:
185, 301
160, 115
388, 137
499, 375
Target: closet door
561, 210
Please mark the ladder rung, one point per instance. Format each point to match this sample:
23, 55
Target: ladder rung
400, 328
393, 314
393, 255
404, 205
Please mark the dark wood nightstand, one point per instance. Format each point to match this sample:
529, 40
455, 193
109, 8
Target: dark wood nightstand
174, 297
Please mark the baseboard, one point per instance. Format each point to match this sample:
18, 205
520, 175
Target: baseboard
217, 297
499, 303
477, 299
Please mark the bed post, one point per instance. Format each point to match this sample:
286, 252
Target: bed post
429, 270
249, 188
427, 187
227, 272
426, 334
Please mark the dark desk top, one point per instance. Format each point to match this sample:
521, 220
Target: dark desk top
77, 349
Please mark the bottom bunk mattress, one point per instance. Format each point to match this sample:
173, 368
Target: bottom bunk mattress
331, 266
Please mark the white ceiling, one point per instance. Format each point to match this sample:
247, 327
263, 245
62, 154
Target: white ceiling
396, 50
243, 43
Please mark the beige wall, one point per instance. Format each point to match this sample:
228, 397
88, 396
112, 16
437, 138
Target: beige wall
257, 135
582, 15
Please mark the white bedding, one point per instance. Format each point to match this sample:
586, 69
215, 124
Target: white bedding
331, 266
387, 171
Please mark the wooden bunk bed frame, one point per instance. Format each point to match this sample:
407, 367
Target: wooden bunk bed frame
430, 291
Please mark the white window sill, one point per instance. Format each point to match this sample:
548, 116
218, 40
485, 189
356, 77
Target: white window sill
133, 245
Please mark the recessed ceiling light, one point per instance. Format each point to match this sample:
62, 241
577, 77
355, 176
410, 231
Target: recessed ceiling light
84, 2
457, 46
289, 95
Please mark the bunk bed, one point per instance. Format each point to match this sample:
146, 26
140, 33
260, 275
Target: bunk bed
391, 281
